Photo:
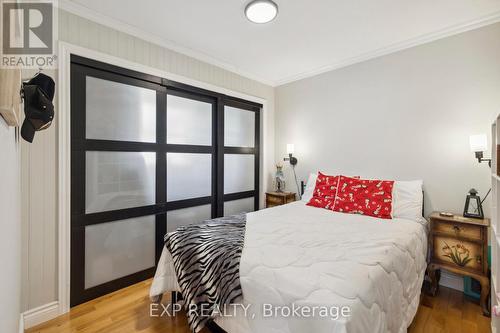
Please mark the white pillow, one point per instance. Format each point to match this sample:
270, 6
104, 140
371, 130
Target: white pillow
407, 199
310, 185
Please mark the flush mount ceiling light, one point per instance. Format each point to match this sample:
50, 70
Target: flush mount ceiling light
261, 11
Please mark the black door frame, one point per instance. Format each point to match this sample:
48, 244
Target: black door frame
80, 68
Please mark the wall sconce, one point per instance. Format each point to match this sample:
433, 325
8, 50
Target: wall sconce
290, 149
478, 144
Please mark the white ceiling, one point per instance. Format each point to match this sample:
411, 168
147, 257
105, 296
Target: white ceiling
308, 36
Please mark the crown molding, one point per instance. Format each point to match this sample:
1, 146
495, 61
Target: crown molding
121, 26
409, 43
107, 21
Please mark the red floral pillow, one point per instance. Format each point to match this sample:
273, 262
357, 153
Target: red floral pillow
324, 191
364, 196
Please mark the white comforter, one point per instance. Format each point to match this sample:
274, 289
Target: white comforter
295, 254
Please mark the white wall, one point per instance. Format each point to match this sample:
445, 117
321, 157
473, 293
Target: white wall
39, 160
10, 235
407, 115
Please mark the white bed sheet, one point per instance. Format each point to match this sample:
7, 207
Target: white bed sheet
296, 254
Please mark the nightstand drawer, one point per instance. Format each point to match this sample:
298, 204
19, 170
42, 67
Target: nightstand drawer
279, 198
458, 253
275, 200
458, 229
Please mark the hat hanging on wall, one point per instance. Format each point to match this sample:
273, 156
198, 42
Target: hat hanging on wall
38, 93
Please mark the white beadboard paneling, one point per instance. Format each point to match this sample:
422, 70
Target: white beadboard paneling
80, 31
39, 160
39, 219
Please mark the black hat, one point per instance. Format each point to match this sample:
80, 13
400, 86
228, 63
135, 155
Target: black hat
38, 108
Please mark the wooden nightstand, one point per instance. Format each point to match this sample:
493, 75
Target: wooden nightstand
459, 245
279, 198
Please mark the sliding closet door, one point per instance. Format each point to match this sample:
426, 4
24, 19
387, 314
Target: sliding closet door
118, 185
191, 163
239, 174
149, 155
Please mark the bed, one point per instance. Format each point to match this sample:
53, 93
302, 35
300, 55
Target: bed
297, 255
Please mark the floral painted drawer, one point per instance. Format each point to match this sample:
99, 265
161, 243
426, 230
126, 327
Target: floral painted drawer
461, 253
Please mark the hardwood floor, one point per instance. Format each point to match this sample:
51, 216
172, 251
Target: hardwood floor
127, 310
449, 311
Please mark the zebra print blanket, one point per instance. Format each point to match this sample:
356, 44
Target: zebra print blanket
206, 259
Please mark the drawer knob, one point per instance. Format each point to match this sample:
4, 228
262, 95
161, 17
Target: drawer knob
456, 228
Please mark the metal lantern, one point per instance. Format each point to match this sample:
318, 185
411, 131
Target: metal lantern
473, 207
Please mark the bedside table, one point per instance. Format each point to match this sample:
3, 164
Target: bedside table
459, 245
279, 198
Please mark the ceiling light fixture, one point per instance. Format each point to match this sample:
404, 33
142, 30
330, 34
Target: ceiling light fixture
261, 11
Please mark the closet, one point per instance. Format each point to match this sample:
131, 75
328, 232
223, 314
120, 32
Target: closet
148, 155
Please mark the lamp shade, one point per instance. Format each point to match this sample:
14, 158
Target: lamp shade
290, 148
478, 142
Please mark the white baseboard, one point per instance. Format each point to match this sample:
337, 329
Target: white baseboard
452, 281
40, 314
21, 323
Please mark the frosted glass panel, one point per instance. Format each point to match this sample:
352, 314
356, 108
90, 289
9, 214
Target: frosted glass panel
117, 111
238, 206
239, 127
180, 217
117, 180
116, 249
238, 173
188, 121
188, 176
